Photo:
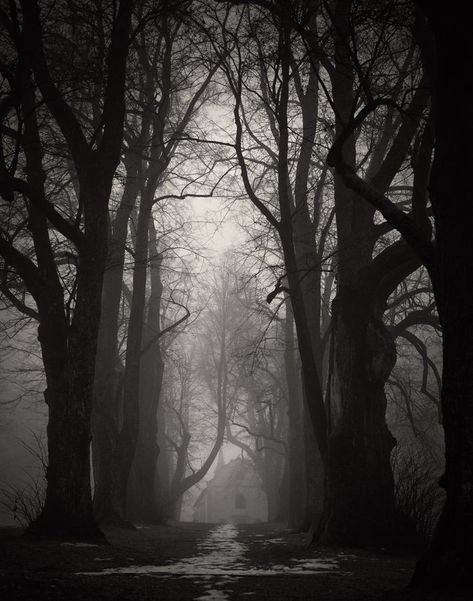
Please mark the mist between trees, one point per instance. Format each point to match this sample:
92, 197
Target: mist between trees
331, 140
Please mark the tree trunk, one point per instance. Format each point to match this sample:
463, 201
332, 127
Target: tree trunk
360, 487
68, 505
272, 484
283, 515
144, 505
359, 504
295, 440
163, 475
173, 500
106, 409
448, 563
449, 560
127, 439
67, 362
293, 249
314, 476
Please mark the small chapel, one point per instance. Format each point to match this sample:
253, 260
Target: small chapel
234, 495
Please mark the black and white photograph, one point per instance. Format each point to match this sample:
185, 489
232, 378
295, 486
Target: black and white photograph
236, 300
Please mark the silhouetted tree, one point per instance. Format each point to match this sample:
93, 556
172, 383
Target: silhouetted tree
443, 38
156, 123
68, 320
370, 265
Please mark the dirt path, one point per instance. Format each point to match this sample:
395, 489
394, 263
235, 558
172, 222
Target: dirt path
197, 562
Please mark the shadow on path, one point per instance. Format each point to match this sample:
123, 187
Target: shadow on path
197, 562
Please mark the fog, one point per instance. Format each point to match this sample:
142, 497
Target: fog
236, 326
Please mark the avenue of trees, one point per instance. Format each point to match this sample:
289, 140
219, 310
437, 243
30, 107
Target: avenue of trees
330, 343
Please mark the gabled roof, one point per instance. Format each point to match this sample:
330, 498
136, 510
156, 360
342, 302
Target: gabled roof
237, 472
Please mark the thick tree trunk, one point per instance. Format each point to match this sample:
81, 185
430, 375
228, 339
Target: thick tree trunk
360, 488
70, 377
359, 504
68, 505
66, 351
448, 562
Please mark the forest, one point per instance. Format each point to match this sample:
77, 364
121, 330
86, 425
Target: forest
235, 265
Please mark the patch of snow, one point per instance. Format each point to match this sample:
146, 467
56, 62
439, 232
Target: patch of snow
220, 555
78, 545
213, 594
189, 571
316, 565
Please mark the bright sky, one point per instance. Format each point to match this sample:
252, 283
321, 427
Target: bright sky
218, 229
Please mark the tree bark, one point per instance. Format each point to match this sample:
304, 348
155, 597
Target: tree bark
143, 496
128, 436
296, 456
360, 493
448, 563
308, 353
106, 409
68, 506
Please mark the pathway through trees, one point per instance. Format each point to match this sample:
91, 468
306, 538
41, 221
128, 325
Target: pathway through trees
198, 562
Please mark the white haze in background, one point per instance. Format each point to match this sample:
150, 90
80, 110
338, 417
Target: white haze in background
215, 225
216, 232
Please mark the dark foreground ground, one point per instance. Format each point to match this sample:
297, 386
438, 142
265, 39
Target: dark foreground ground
202, 563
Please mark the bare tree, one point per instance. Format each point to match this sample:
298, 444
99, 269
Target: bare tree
206, 407
68, 320
442, 40
168, 98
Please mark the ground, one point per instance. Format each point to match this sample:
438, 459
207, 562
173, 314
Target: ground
199, 562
